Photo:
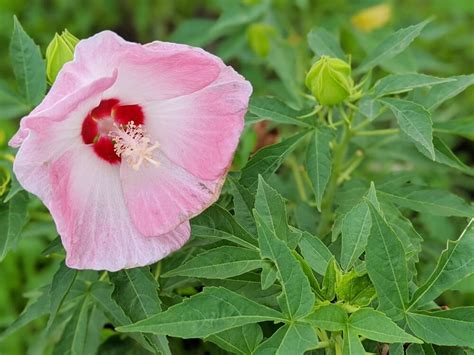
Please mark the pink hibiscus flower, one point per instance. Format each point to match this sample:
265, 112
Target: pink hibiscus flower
130, 143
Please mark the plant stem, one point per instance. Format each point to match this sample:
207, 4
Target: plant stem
351, 166
295, 169
323, 344
328, 201
378, 132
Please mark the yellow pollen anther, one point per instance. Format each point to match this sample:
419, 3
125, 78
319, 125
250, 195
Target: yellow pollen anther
134, 145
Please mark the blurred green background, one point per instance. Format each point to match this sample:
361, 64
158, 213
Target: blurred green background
266, 42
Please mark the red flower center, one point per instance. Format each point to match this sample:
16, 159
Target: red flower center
107, 118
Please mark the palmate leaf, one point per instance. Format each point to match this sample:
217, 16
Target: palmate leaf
267, 160
386, 266
391, 46
73, 339
244, 201
415, 121
270, 206
463, 127
440, 93
455, 263
355, 230
13, 216
315, 252
242, 340
62, 282
352, 344
211, 311
219, 263
136, 292
216, 223
422, 199
453, 327
323, 42
269, 108
329, 317
444, 155
294, 338
399, 83
249, 285
101, 295
318, 161
28, 65
375, 325
36, 308
296, 299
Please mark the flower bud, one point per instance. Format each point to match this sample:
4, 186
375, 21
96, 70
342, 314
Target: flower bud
59, 52
258, 36
329, 80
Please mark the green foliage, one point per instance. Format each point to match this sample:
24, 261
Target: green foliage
328, 239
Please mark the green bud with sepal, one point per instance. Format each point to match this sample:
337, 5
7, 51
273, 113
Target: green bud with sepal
60, 51
329, 80
258, 37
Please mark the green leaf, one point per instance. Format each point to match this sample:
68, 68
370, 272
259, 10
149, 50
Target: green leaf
399, 83
73, 338
352, 344
12, 106
463, 127
415, 121
444, 155
242, 340
329, 317
440, 93
355, 290
35, 309
101, 294
391, 46
28, 65
418, 349
284, 59
318, 161
422, 199
250, 286
315, 252
217, 223
136, 292
297, 299
377, 326
268, 275
96, 323
243, 206
453, 327
387, 268
455, 263
267, 160
269, 108
62, 282
355, 230
331, 276
294, 338
13, 216
270, 205
211, 311
219, 263
323, 42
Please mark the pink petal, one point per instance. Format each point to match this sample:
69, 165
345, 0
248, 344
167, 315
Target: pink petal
76, 105
91, 217
144, 73
200, 131
44, 137
160, 198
